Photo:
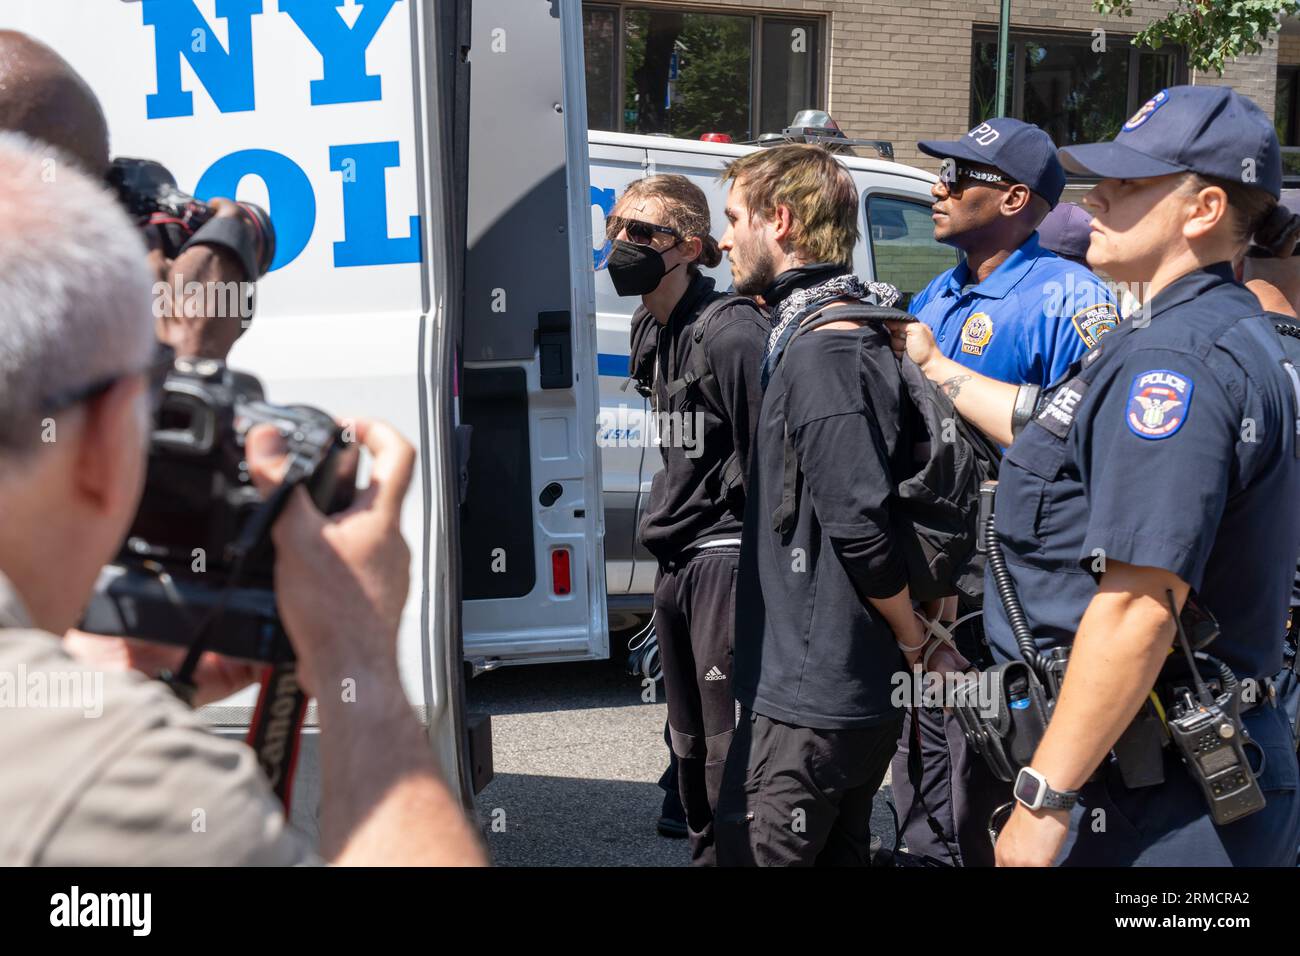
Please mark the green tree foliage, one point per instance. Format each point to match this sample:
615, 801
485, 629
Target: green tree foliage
712, 89
1212, 31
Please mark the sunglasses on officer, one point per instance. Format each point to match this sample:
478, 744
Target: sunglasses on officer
639, 232
164, 358
952, 173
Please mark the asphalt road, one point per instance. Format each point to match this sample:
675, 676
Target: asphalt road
577, 755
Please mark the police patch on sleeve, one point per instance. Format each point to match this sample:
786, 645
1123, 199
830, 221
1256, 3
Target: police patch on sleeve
1094, 322
1158, 403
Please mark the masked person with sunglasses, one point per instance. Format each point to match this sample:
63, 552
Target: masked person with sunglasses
1016, 312
1162, 463
702, 377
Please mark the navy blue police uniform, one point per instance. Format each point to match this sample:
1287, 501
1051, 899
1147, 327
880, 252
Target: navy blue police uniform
1171, 444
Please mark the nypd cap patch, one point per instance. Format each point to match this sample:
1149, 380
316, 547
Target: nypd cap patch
1158, 403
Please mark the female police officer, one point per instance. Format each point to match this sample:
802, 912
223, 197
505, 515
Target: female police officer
1163, 460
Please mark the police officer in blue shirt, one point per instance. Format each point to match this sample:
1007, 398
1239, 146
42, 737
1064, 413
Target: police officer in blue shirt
1010, 309
1017, 312
1163, 462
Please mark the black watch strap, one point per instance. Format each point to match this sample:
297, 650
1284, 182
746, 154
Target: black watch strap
1051, 799
1060, 799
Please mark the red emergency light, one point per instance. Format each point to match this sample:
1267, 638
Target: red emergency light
715, 138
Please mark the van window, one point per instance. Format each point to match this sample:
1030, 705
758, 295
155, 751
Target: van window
902, 244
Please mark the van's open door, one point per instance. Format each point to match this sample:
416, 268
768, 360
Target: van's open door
533, 569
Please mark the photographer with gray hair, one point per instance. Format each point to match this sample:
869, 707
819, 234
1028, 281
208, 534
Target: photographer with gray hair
115, 769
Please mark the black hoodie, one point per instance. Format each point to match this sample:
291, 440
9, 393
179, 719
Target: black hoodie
686, 506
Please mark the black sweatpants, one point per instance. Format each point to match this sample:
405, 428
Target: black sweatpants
794, 796
695, 613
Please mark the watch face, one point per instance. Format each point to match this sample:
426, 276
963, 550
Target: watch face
1026, 788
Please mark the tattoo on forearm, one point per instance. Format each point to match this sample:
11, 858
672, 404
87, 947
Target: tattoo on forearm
952, 386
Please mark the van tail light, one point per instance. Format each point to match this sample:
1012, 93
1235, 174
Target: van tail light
560, 579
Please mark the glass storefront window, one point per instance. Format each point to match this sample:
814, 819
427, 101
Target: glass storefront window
1060, 82
683, 73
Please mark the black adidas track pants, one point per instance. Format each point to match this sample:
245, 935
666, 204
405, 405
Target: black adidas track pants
694, 607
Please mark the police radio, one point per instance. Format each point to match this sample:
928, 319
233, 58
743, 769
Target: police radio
1207, 729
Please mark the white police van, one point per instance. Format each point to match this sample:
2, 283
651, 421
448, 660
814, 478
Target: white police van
425, 163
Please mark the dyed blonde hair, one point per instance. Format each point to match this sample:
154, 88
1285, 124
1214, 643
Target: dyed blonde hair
818, 191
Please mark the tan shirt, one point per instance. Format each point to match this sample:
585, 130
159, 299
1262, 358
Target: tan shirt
110, 769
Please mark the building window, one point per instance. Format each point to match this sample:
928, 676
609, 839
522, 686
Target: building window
1286, 120
686, 72
1059, 82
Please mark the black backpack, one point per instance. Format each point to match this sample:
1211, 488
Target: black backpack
697, 373
936, 507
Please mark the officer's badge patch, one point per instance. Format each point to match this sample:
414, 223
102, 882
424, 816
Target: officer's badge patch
1158, 403
1145, 110
976, 333
1094, 322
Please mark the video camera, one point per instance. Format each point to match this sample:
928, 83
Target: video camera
199, 549
150, 194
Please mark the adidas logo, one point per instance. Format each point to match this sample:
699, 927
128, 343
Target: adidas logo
715, 674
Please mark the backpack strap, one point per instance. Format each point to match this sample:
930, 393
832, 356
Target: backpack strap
697, 366
785, 514
700, 372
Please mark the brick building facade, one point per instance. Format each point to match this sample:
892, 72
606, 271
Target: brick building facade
905, 71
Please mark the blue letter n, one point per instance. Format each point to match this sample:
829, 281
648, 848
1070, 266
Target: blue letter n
179, 30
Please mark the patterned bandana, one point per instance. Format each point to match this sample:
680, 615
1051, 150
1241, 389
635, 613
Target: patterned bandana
803, 302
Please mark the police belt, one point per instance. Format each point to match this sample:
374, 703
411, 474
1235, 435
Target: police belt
1006, 731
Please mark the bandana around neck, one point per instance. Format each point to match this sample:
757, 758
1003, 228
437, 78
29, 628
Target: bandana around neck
803, 301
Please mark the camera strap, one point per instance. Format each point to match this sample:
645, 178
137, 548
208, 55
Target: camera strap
276, 730
237, 235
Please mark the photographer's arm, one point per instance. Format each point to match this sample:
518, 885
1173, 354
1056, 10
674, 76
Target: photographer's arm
208, 314
341, 583
984, 402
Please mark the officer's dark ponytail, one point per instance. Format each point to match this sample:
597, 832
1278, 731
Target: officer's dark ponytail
1278, 233
686, 209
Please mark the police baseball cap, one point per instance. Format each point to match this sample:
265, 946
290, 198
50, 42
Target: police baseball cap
1209, 130
1021, 150
1066, 230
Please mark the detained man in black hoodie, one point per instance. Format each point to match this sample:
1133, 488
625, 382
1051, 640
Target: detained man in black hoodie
824, 618
704, 414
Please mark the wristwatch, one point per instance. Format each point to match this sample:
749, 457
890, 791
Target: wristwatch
1032, 790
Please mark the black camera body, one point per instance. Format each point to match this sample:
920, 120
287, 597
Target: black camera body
200, 542
150, 194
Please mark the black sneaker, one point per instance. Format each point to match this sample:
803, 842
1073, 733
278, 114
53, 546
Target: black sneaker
672, 818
